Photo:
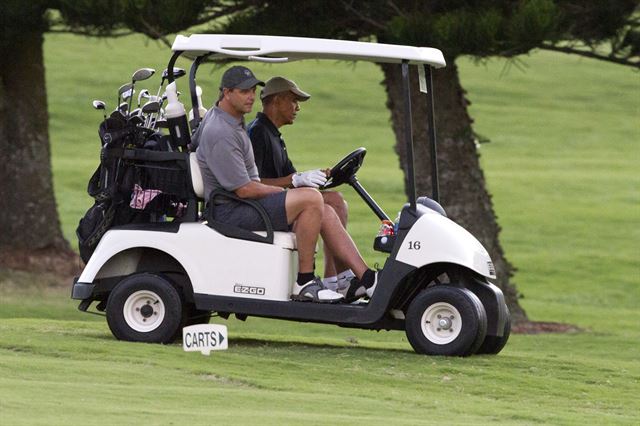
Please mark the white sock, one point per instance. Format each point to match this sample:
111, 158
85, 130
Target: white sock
346, 275
344, 279
330, 282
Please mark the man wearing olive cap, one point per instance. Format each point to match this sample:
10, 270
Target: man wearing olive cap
226, 160
280, 106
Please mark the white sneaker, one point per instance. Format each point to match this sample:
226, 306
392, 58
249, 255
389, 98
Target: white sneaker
315, 291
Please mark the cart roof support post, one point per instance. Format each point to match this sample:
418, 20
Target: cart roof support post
171, 64
408, 135
192, 90
431, 118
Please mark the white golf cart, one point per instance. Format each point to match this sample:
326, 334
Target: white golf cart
154, 278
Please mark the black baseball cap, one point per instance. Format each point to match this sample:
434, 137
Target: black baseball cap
239, 77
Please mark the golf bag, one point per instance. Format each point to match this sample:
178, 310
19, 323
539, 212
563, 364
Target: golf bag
140, 179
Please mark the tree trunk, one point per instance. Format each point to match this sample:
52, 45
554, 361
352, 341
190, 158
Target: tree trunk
463, 193
29, 225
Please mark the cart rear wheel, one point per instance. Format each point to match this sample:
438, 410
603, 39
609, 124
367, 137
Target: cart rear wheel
197, 316
494, 344
144, 308
446, 320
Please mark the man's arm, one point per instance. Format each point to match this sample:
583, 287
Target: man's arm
283, 182
255, 190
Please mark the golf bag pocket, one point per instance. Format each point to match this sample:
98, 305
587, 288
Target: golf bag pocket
93, 225
160, 185
95, 188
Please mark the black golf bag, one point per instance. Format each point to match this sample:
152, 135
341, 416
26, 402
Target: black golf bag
140, 179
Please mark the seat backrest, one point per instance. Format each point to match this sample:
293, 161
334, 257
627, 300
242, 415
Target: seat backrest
196, 176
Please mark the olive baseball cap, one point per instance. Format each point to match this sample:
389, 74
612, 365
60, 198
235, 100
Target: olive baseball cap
239, 77
280, 84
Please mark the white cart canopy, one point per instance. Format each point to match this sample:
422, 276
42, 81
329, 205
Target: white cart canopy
286, 49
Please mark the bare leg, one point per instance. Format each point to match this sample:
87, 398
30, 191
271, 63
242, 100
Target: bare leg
339, 205
340, 243
305, 207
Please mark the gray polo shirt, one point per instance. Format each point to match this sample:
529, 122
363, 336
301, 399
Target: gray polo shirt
224, 152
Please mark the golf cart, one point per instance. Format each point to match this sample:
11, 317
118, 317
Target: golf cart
155, 276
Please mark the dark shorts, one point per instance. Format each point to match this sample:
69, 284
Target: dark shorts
246, 217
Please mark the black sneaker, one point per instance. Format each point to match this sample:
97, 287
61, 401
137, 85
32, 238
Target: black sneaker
371, 289
355, 290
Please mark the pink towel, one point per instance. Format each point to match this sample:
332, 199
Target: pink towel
141, 197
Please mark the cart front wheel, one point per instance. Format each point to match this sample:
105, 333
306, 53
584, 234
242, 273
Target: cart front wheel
144, 308
446, 320
492, 345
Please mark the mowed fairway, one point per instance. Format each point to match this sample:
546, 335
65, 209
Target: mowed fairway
562, 166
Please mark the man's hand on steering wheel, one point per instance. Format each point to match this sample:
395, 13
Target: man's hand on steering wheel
311, 178
345, 169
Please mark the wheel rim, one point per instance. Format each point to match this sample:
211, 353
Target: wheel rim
441, 323
143, 311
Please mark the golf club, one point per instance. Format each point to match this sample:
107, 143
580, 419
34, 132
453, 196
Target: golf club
100, 105
123, 89
140, 75
177, 73
149, 109
144, 94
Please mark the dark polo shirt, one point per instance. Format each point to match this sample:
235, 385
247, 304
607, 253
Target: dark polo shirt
269, 149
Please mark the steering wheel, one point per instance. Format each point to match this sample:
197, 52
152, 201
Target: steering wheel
345, 169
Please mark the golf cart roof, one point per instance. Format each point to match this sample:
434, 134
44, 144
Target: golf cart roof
285, 49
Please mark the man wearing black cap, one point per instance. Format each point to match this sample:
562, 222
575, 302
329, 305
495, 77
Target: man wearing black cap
280, 105
227, 162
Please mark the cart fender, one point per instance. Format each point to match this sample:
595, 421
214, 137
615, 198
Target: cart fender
212, 261
434, 238
118, 240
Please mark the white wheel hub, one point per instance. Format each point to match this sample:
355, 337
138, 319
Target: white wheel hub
441, 323
143, 311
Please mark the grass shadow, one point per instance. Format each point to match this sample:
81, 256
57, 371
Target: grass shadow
288, 344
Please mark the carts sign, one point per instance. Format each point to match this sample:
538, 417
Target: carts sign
204, 338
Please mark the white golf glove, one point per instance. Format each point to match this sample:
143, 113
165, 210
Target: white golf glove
311, 178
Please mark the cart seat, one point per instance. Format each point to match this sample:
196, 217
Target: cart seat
196, 176
285, 240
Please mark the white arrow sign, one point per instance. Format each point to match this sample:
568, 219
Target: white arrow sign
204, 338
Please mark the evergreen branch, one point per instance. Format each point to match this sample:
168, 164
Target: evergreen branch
89, 33
591, 54
225, 11
152, 32
396, 9
375, 24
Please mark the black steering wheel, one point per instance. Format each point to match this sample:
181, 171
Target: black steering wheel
345, 169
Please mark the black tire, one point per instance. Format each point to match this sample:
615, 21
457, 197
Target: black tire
197, 316
145, 308
461, 327
492, 345
483, 323
190, 316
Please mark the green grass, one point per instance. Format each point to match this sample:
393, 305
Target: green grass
568, 194
562, 167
